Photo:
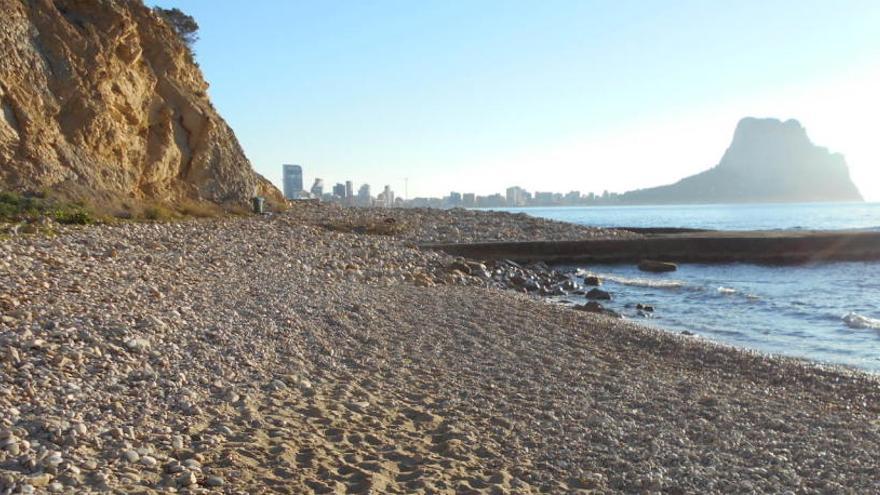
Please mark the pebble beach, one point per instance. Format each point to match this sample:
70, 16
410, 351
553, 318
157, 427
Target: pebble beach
320, 350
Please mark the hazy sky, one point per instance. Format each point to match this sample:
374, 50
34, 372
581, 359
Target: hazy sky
477, 95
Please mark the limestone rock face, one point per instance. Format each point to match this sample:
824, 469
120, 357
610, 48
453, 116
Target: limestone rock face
100, 98
768, 161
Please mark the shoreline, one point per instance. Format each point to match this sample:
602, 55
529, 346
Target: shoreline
276, 354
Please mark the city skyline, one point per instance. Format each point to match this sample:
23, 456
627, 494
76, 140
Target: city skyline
512, 196
603, 99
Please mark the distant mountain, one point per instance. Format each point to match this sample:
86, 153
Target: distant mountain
768, 161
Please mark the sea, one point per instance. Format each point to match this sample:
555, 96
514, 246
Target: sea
824, 312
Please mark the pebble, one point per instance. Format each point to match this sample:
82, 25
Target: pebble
138, 344
215, 481
53, 459
497, 382
131, 456
188, 478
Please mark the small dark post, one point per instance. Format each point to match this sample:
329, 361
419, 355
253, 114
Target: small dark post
259, 204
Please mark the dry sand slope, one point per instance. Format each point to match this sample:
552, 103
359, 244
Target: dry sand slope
264, 355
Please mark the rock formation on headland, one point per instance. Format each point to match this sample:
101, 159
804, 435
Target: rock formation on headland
768, 161
101, 100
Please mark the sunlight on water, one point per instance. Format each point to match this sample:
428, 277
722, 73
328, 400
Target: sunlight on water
817, 216
826, 312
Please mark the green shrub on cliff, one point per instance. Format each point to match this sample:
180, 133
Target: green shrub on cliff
183, 24
31, 207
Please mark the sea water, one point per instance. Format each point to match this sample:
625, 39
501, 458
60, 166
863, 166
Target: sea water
798, 216
825, 312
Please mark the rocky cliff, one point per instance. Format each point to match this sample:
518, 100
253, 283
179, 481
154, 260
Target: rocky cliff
102, 100
768, 161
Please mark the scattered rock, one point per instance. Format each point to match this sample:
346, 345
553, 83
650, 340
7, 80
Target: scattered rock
591, 307
657, 266
594, 307
138, 344
131, 456
459, 265
188, 478
543, 398
598, 294
215, 481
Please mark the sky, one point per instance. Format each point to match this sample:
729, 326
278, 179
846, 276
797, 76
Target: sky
551, 95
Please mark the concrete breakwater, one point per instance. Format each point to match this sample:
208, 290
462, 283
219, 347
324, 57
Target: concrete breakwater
696, 247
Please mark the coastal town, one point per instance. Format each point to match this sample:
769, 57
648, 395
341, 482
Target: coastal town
344, 193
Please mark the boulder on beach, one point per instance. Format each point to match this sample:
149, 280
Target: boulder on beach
598, 294
459, 265
657, 266
594, 307
592, 280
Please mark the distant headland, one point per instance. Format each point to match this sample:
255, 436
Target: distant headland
768, 161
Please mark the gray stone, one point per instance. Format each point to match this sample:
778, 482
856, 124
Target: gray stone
131, 456
215, 481
188, 478
598, 294
657, 266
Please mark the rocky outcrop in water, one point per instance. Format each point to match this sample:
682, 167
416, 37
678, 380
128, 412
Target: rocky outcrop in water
768, 161
102, 100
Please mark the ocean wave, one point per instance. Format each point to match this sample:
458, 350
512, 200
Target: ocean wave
855, 320
730, 291
638, 282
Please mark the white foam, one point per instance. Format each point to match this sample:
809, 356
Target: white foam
855, 320
639, 282
726, 290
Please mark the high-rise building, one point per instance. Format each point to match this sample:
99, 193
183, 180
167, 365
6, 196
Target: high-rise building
339, 190
349, 190
544, 198
454, 199
493, 200
293, 181
363, 197
516, 196
468, 200
318, 188
386, 198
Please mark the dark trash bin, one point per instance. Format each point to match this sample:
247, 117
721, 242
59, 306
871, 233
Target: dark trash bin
259, 204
